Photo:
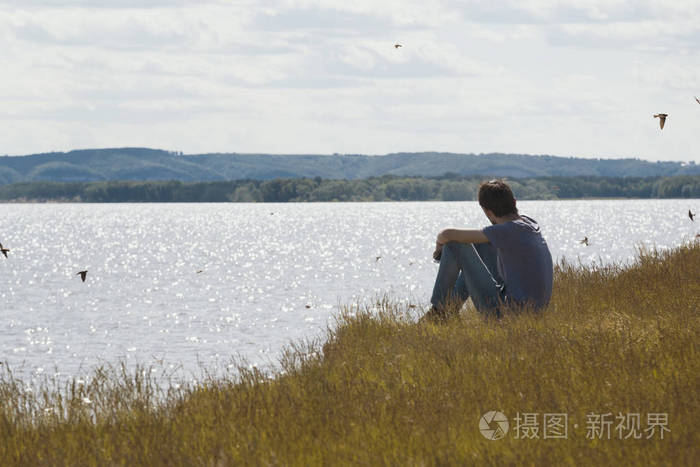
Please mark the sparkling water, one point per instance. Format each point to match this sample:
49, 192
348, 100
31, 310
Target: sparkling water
195, 285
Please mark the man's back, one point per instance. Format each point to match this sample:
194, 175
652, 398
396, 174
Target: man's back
524, 260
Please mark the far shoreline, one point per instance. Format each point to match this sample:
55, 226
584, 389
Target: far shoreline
52, 201
372, 189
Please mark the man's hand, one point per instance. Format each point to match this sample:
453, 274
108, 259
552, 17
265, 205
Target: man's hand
437, 254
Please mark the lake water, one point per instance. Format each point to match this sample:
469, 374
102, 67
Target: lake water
270, 273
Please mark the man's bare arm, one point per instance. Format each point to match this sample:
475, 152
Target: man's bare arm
461, 236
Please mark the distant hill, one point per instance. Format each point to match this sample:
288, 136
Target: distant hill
152, 164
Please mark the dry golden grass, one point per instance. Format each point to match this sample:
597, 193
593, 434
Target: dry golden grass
383, 389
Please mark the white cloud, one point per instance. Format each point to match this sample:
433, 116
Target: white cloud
577, 77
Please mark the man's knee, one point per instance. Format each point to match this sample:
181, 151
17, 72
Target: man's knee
458, 249
452, 246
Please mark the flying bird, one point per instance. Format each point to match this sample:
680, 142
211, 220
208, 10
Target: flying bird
662, 119
690, 214
82, 274
199, 271
377, 259
584, 241
4, 250
698, 100
396, 46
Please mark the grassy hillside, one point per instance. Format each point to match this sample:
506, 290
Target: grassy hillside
383, 389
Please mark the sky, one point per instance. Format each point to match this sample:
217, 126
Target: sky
578, 78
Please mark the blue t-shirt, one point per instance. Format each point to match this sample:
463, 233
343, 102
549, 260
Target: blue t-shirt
524, 260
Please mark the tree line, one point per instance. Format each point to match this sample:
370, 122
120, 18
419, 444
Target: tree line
385, 188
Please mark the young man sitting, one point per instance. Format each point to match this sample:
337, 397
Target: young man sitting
507, 263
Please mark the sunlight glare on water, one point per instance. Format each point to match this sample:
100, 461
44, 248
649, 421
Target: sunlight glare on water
193, 284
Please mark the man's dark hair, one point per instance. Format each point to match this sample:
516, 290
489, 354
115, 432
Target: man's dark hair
496, 196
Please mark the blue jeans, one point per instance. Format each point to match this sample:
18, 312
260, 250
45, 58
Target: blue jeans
469, 270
